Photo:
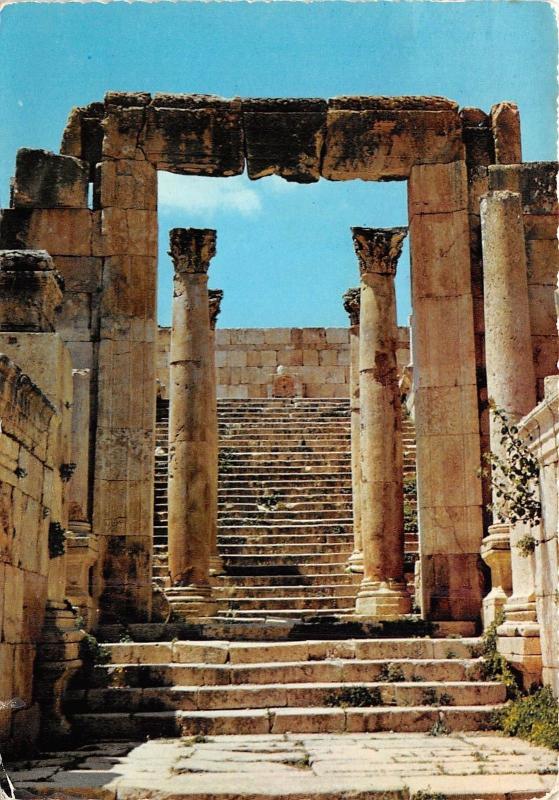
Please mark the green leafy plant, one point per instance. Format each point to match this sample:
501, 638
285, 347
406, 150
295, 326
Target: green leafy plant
526, 545
495, 666
92, 652
513, 476
57, 540
355, 696
439, 729
532, 717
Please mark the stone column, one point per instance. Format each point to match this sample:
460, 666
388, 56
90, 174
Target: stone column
351, 301
383, 594
511, 381
216, 562
190, 424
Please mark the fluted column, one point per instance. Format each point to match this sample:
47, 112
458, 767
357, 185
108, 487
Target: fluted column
383, 594
511, 383
216, 562
351, 300
190, 424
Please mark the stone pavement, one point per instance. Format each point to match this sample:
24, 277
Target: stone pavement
299, 767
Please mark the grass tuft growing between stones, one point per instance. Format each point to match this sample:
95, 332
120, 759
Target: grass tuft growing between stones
354, 697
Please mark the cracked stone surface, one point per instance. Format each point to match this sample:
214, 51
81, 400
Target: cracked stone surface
299, 767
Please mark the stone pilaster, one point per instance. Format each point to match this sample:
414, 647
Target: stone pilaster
446, 398
191, 432
383, 594
511, 380
351, 300
215, 297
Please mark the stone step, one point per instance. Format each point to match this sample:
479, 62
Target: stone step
304, 539
283, 591
164, 724
318, 528
229, 516
329, 670
308, 598
288, 549
255, 582
288, 695
318, 504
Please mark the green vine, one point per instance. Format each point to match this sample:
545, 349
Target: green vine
514, 478
495, 666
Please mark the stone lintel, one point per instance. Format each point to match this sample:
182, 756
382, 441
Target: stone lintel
535, 181
284, 104
352, 304
215, 296
192, 249
378, 249
192, 101
127, 99
396, 103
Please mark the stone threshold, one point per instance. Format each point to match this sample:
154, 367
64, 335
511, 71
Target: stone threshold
384, 766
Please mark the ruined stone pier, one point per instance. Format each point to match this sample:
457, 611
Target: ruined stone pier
191, 427
383, 594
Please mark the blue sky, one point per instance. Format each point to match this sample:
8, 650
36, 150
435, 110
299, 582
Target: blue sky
284, 251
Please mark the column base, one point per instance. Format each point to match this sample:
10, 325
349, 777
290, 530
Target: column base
495, 551
355, 562
383, 600
519, 642
493, 604
187, 602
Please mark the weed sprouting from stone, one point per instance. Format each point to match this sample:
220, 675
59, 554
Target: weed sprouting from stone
391, 673
355, 697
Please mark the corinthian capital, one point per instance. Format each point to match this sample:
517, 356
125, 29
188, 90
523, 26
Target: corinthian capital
215, 296
192, 249
378, 249
352, 304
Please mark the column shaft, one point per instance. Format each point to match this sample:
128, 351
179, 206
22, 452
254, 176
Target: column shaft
383, 593
351, 304
190, 426
511, 381
216, 562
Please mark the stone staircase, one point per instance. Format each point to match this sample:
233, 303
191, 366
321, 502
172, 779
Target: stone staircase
283, 654
285, 508
196, 688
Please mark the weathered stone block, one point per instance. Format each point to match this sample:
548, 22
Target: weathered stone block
125, 183
60, 231
80, 273
455, 585
505, 121
127, 232
448, 410
543, 260
477, 135
438, 188
536, 182
123, 132
83, 134
199, 135
441, 255
543, 315
444, 352
31, 291
386, 137
46, 180
284, 137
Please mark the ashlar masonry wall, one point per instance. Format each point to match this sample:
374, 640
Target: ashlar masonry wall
248, 359
27, 470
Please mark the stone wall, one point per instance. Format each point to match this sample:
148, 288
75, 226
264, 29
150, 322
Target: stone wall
27, 469
248, 359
